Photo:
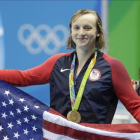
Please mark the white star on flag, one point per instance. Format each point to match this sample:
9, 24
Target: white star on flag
11, 113
18, 111
5, 138
16, 135
11, 101
36, 106
18, 122
7, 92
34, 128
21, 100
1, 127
26, 131
4, 115
10, 125
26, 120
33, 117
4, 104
26, 108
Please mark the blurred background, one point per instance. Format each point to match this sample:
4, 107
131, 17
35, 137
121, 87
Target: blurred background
32, 31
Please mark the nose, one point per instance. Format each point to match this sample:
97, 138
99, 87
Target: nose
82, 31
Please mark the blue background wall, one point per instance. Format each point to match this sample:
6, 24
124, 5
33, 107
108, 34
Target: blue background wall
33, 31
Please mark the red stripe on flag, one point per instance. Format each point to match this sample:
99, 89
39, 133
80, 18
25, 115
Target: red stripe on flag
124, 128
72, 133
76, 134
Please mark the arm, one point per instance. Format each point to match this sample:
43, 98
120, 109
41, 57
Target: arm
34, 76
123, 87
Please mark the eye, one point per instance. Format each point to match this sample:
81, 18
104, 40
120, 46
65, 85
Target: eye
76, 27
87, 27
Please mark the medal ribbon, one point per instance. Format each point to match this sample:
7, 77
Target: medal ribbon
76, 102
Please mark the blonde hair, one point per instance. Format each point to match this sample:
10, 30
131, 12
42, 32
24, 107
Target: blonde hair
100, 41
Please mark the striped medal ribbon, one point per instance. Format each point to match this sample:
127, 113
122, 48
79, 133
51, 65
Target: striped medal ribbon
74, 115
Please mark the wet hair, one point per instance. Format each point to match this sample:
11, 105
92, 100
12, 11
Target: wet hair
100, 41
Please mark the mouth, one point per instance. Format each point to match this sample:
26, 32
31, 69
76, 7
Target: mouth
81, 38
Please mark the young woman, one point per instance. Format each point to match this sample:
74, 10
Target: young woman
85, 85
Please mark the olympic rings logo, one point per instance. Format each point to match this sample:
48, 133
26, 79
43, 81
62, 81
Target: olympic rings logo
35, 36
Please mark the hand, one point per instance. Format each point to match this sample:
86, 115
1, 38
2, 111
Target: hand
134, 83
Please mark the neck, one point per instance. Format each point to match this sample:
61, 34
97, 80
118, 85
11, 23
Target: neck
83, 56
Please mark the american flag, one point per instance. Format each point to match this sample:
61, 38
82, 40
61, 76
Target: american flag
22, 117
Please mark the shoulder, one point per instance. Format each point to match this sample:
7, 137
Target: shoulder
59, 55
49, 63
116, 65
112, 61
109, 58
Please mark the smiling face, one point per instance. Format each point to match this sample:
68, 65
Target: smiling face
84, 32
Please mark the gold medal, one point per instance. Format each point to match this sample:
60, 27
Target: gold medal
74, 116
